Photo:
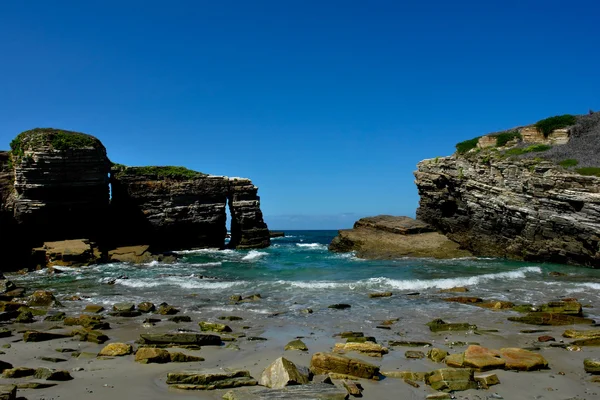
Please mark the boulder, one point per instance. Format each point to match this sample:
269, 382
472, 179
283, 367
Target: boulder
452, 380
55, 316
86, 335
116, 350
367, 348
181, 357
131, 254
209, 380
323, 363
438, 325
93, 308
522, 360
70, 253
147, 355
123, 307
52, 374
165, 309
146, 307
283, 372
25, 317
562, 307
87, 321
8, 392
485, 381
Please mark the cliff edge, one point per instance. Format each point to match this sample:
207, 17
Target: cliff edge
531, 193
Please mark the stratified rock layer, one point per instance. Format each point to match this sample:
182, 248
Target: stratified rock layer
386, 236
520, 209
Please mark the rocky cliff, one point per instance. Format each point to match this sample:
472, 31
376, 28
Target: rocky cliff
54, 185
517, 201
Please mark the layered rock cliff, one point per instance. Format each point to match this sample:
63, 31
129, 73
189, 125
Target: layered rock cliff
516, 202
54, 185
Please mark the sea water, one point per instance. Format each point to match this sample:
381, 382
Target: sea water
298, 273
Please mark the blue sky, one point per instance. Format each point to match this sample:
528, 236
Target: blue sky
326, 105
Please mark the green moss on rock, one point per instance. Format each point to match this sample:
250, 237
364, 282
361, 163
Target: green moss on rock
56, 139
159, 172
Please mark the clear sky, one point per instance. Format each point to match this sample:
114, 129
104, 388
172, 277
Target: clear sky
326, 105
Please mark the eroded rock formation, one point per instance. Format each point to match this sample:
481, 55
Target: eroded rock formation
54, 185
515, 208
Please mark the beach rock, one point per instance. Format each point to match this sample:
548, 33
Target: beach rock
116, 350
495, 305
353, 388
146, 307
6, 286
482, 359
546, 338
34, 385
367, 348
439, 396
4, 366
438, 325
133, 254
36, 336
4, 332
8, 392
464, 300
55, 316
452, 380
42, 298
230, 318
380, 294
592, 366
588, 334
552, 319
92, 336
562, 307
87, 321
457, 289
180, 339
214, 327
485, 381
408, 343
323, 363
125, 314
25, 317
146, 355
414, 355
19, 372
93, 308
165, 309
361, 339
413, 376
586, 342
437, 355
52, 374
123, 307
208, 380
385, 236
283, 372
522, 360
296, 345
349, 334
339, 306
181, 357
181, 318
314, 391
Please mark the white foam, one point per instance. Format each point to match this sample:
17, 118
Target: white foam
253, 255
312, 246
182, 282
205, 251
208, 264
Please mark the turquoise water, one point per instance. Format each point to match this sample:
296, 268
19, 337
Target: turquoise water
298, 272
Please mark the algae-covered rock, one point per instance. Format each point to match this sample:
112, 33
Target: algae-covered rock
438, 325
42, 298
8, 392
552, 319
451, 380
414, 376
36, 336
296, 345
283, 372
414, 355
92, 336
165, 309
592, 366
380, 294
209, 380
586, 334
52, 374
408, 343
19, 372
181, 357
25, 317
368, 348
116, 350
562, 307
214, 327
93, 322
485, 381
437, 355
146, 307
180, 339
123, 307
93, 308
323, 363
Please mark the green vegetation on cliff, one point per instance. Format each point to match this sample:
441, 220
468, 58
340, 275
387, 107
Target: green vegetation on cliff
467, 145
160, 172
506, 137
589, 171
56, 139
546, 126
535, 148
569, 162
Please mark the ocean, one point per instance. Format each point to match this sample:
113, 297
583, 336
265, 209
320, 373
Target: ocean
298, 272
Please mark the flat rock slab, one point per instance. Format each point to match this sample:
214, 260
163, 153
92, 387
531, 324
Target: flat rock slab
522, 360
36, 336
367, 348
315, 391
552, 319
181, 339
324, 363
438, 325
209, 380
450, 379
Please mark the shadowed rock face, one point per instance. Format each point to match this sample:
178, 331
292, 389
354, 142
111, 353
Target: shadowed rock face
519, 209
54, 185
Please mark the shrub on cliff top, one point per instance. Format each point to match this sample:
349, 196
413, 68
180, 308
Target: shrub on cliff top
506, 137
467, 145
546, 126
56, 139
569, 162
159, 172
590, 171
